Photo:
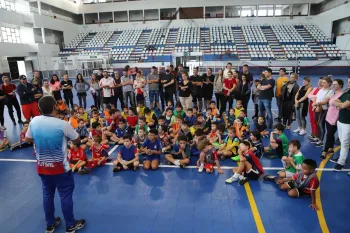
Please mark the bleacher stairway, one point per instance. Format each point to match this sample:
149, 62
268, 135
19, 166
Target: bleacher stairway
109, 45
85, 41
311, 42
136, 55
241, 45
205, 40
273, 43
171, 41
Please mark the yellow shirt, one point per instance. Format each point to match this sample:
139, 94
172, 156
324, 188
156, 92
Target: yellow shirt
237, 111
84, 116
140, 111
124, 115
279, 85
232, 142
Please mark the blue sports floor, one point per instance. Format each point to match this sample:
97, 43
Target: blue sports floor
172, 199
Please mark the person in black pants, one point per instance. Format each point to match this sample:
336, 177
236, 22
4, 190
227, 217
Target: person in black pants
168, 82
197, 82
67, 86
244, 89
118, 91
161, 90
9, 90
2, 107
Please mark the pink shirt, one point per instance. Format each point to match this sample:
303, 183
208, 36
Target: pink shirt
55, 86
333, 112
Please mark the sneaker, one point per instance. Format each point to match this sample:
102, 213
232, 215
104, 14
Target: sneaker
278, 119
323, 156
314, 140
338, 167
319, 144
83, 171
182, 165
269, 178
296, 130
231, 180
52, 228
243, 180
77, 226
302, 132
334, 160
20, 122
116, 169
200, 169
311, 136
235, 158
177, 162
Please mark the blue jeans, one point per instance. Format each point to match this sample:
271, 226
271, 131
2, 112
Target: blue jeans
65, 186
153, 96
266, 105
131, 96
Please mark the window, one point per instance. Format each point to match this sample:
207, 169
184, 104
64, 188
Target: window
10, 35
7, 5
265, 10
248, 11
282, 10
301, 9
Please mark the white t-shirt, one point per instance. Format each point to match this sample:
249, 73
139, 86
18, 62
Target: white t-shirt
47, 92
322, 95
107, 92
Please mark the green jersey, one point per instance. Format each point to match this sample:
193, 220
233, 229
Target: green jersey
285, 143
298, 161
145, 128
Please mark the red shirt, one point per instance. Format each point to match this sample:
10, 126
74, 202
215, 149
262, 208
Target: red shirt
114, 126
8, 89
228, 83
77, 155
132, 121
313, 185
101, 152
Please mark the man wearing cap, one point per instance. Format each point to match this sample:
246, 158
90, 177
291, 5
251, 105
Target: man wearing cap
26, 92
280, 81
153, 87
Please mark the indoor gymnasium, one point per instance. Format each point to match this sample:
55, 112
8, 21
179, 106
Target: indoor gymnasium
158, 116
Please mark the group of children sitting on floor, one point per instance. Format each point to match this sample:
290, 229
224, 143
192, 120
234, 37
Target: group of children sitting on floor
142, 138
5, 143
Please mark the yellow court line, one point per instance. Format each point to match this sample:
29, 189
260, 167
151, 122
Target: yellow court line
254, 207
258, 222
320, 214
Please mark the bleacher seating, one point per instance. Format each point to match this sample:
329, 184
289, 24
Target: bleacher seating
248, 42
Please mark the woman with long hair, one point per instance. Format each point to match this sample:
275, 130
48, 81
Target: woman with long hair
288, 93
219, 89
207, 87
67, 86
139, 85
312, 114
244, 90
81, 86
185, 91
55, 85
332, 118
47, 90
301, 105
96, 91
320, 106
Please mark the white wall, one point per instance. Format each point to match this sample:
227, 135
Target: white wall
16, 50
341, 27
63, 4
15, 18
4, 65
343, 43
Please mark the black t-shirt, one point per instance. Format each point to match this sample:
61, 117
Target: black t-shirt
168, 77
118, 90
160, 79
187, 92
66, 84
267, 94
248, 76
196, 89
208, 87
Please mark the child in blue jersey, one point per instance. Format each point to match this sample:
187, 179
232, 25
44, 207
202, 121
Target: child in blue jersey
22, 143
257, 146
180, 155
128, 157
152, 148
169, 118
190, 117
120, 132
83, 133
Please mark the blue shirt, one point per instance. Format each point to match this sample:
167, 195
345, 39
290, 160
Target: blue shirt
187, 149
50, 137
191, 120
156, 145
121, 132
128, 154
83, 132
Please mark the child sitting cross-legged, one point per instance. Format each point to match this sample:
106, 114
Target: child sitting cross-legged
83, 115
256, 145
99, 153
73, 120
141, 124
261, 127
132, 120
213, 137
180, 156
83, 133
120, 132
303, 183
77, 158
278, 142
151, 118
128, 157
190, 117
208, 158
4, 142
179, 111
152, 148
249, 167
96, 131
241, 130
22, 143
230, 146
292, 163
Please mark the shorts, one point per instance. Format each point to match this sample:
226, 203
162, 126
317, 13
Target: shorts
153, 96
152, 157
73, 162
30, 110
107, 100
209, 166
252, 174
179, 156
301, 192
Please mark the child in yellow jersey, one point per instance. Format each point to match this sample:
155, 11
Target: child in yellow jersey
238, 108
125, 112
230, 146
84, 115
140, 109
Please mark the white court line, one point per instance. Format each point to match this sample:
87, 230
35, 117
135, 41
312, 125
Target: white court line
113, 149
173, 166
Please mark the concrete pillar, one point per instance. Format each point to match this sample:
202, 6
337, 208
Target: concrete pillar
43, 35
